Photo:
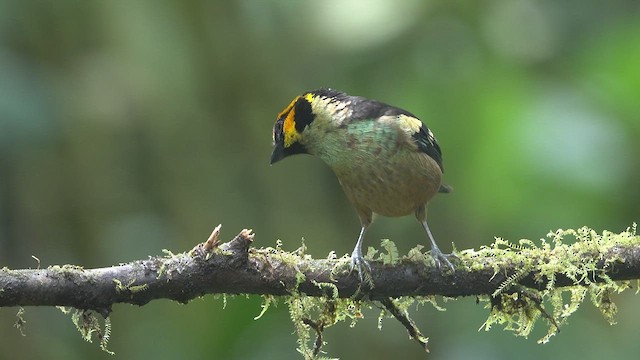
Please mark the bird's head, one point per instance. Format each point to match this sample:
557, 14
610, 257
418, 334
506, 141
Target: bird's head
311, 110
290, 126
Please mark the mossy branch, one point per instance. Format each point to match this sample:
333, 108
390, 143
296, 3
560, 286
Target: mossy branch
235, 267
521, 282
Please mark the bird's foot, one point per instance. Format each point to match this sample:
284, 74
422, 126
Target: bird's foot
439, 257
363, 268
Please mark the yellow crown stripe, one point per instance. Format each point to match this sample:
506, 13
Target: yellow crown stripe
288, 108
291, 135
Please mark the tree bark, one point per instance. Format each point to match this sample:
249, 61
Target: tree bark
234, 267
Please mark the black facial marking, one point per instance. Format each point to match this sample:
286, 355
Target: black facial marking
295, 148
304, 114
279, 150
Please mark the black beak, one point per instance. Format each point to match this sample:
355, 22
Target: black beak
277, 154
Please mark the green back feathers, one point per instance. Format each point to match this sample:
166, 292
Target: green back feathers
366, 109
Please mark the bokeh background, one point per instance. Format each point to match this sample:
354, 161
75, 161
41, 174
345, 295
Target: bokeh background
127, 127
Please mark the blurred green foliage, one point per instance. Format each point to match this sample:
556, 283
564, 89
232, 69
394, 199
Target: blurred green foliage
127, 127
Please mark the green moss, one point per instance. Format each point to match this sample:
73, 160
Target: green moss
390, 257
580, 259
20, 323
88, 323
129, 287
267, 300
315, 314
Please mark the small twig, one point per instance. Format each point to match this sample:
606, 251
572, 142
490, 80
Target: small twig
403, 318
212, 242
318, 327
537, 301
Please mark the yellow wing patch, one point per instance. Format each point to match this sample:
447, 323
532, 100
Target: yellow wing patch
410, 123
407, 124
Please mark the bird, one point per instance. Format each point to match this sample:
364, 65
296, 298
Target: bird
387, 161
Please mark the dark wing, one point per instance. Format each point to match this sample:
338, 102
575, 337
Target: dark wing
371, 109
428, 144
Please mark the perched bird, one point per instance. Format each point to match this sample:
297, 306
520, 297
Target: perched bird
387, 161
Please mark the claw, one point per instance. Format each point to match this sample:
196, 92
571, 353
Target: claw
435, 251
440, 256
361, 266
359, 263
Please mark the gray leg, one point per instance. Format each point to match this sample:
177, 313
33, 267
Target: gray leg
435, 250
357, 260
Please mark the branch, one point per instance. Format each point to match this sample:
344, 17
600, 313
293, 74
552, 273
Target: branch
235, 267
